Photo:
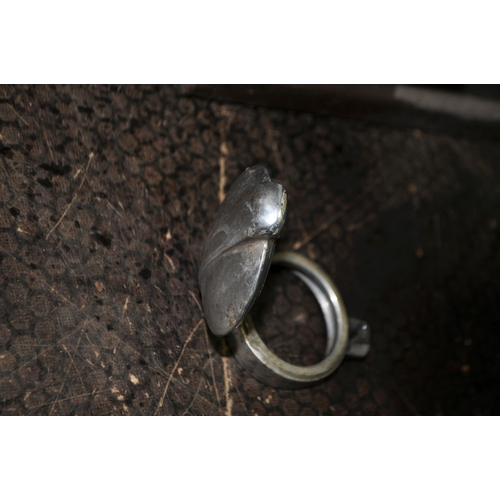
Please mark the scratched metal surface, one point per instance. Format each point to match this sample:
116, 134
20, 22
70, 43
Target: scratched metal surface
107, 195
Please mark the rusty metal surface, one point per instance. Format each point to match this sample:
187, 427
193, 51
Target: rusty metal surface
107, 195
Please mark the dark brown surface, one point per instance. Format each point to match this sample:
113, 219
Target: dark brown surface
107, 195
471, 109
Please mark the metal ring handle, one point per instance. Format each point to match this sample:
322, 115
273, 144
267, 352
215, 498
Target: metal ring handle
253, 354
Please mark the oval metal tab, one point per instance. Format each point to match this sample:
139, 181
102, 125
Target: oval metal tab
239, 248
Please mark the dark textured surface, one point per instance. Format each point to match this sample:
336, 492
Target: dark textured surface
107, 195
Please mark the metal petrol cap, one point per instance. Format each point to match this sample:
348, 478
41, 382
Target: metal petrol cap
239, 249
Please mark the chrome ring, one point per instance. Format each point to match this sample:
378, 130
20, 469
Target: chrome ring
253, 354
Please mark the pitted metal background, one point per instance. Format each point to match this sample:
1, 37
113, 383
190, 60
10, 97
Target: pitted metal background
107, 195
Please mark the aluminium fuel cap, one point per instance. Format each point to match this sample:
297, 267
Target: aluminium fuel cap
234, 266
